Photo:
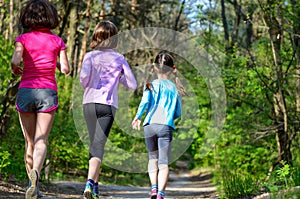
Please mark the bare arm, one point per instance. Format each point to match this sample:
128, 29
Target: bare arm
63, 61
17, 58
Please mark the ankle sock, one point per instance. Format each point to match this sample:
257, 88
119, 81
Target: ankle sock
161, 192
154, 187
89, 184
95, 188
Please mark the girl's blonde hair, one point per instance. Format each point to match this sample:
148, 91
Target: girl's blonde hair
103, 35
165, 63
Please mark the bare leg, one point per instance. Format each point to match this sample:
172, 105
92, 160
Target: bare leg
94, 169
163, 176
43, 126
28, 124
153, 171
36, 128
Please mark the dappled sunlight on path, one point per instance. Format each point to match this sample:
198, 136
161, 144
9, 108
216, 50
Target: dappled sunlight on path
181, 185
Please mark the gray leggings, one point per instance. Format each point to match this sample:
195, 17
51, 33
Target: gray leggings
158, 139
99, 119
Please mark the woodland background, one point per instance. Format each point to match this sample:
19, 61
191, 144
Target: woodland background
256, 44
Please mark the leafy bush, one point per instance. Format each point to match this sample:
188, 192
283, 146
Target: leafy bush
284, 173
6, 51
282, 180
4, 161
235, 185
296, 176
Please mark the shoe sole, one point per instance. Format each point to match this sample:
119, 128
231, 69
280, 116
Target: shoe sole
153, 197
87, 195
31, 192
95, 196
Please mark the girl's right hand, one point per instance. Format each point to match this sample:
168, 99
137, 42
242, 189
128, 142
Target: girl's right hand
136, 124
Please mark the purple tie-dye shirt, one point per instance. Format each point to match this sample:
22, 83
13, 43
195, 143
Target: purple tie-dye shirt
101, 72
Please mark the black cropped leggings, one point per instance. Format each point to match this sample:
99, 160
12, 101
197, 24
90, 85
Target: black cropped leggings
99, 119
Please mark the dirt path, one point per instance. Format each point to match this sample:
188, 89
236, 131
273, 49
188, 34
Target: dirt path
181, 185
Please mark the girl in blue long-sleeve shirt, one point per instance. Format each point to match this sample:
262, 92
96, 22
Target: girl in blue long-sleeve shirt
162, 102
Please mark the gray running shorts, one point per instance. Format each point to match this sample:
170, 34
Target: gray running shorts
32, 100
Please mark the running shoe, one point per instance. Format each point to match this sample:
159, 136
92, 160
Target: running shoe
159, 197
95, 196
39, 193
153, 194
87, 194
32, 191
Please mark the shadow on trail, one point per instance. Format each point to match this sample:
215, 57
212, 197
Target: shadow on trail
183, 185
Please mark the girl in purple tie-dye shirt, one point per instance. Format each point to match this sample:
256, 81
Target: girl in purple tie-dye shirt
102, 70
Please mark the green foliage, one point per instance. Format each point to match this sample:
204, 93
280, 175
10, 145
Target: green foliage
246, 148
287, 194
196, 113
13, 143
283, 173
281, 181
4, 161
66, 152
235, 185
6, 51
296, 175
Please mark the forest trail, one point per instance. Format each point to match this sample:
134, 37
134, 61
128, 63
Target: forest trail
183, 184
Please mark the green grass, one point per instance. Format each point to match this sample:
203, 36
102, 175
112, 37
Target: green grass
293, 193
235, 185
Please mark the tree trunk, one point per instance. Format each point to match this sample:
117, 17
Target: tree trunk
65, 17
235, 31
85, 35
296, 47
225, 25
72, 35
230, 39
11, 19
133, 5
2, 14
178, 16
281, 121
249, 27
102, 11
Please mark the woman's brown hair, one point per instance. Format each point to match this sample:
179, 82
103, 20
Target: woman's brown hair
105, 35
39, 14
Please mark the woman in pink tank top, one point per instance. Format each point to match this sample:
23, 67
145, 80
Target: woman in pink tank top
37, 94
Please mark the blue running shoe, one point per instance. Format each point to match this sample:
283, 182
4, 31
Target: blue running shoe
88, 193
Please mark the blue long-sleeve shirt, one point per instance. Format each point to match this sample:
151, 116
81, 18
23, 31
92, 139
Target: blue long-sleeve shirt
162, 103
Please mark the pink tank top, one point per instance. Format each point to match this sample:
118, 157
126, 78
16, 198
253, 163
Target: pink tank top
41, 49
